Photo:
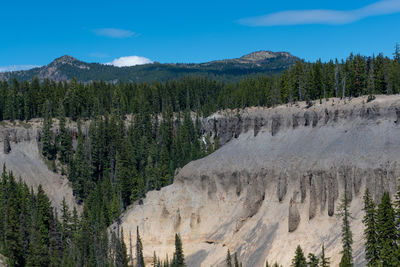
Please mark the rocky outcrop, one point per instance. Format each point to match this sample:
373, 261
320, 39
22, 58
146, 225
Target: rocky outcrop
276, 183
294, 216
6, 143
21, 155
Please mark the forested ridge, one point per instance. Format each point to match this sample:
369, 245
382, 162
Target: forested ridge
117, 161
67, 67
355, 76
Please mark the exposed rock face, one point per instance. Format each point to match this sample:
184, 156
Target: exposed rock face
294, 216
6, 144
271, 188
25, 162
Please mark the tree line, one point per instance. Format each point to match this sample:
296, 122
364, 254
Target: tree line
355, 76
33, 233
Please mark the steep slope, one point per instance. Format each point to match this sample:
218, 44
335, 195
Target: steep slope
276, 183
67, 67
22, 157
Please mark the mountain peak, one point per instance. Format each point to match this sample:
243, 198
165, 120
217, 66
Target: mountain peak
66, 59
262, 55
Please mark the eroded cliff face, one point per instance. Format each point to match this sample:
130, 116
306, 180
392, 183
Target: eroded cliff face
275, 183
20, 142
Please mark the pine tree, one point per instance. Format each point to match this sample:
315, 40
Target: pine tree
80, 173
347, 236
313, 261
228, 259
139, 250
125, 171
386, 232
324, 260
396, 54
65, 140
370, 234
299, 259
13, 240
154, 259
124, 251
178, 255
236, 261
47, 145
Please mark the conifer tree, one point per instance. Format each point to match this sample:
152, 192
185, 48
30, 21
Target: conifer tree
324, 260
386, 232
178, 255
124, 252
80, 175
228, 259
139, 250
236, 261
313, 260
125, 171
396, 54
65, 140
155, 259
370, 234
347, 236
47, 145
299, 259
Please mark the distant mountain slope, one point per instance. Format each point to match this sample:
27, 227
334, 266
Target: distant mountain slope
67, 67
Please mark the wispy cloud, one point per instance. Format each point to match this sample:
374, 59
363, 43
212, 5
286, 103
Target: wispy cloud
17, 67
324, 16
114, 33
129, 61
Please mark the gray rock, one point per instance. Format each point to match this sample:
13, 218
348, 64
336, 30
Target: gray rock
6, 143
276, 124
294, 216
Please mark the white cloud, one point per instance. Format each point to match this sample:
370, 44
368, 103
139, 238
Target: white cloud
114, 33
324, 16
17, 67
129, 61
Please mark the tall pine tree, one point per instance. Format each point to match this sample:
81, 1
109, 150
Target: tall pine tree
370, 235
347, 236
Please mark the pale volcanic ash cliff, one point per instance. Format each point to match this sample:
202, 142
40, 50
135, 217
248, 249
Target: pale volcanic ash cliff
20, 153
275, 183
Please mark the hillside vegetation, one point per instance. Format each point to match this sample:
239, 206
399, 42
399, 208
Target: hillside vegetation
113, 162
67, 67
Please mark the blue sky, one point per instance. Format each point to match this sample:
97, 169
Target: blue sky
36, 32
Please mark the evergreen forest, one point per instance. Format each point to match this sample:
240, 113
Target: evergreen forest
132, 137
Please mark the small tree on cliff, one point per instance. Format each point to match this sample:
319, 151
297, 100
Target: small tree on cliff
313, 260
228, 259
386, 232
236, 261
299, 259
139, 250
324, 260
371, 253
47, 144
347, 235
179, 258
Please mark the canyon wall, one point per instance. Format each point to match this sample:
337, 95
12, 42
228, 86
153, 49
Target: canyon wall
275, 183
